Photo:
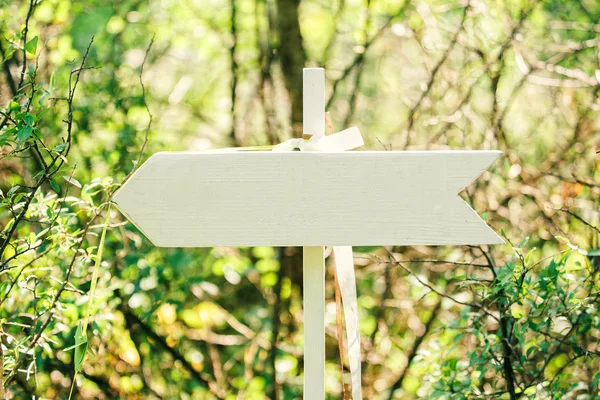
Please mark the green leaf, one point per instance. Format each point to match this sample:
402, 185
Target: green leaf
523, 242
55, 186
60, 147
4, 137
80, 346
95, 273
72, 181
42, 113
31, 46
80, 350
12, 190
24, 133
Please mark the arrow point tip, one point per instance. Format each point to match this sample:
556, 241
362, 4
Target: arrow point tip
116, 197
491, 237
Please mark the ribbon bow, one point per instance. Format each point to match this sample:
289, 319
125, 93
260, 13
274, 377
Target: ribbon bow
344, 263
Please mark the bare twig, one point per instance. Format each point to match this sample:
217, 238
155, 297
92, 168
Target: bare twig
32, 4
9, 78
434, 72
415, 349
379, 314
56, 163
577, 217
150, 117
135, 324
504, 47
360, 57
442, 294
234, 72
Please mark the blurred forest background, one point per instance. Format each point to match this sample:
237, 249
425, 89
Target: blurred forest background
88, 89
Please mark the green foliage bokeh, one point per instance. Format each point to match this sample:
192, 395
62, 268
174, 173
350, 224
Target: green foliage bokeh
88, 88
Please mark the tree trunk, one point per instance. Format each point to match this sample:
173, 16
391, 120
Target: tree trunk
292, 58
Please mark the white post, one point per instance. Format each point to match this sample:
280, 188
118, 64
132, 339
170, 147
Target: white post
313, 257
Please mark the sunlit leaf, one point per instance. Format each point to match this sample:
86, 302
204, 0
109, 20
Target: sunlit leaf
31, 46
72, 181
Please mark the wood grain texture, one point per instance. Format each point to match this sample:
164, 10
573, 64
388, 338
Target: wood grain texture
313, 257
313, 101
307, 198
313, 300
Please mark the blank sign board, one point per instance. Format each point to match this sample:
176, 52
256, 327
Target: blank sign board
262, 198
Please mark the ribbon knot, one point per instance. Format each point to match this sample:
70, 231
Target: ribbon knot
347, 139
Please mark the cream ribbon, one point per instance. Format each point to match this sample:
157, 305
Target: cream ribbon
344, 263
341, 141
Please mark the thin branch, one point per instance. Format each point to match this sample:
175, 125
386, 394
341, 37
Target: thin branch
359, 69
507, 350
150, 117
459, 263
572, 179
415, 349
55, 298
434, 72
551, 356
50, 172
359, 59
47, 177
486, 68
9, 78
135, 324
444, 295
577, 217
234, 72
32, 4
331, 42
379, 314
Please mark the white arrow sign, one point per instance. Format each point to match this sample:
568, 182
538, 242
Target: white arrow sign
307, 199
310, 199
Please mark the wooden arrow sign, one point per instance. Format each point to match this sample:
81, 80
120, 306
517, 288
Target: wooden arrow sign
311, 199
307, 198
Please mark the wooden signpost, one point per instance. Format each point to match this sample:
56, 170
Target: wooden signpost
310, 199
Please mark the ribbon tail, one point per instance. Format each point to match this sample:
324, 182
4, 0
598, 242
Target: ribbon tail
347, 139
344, 264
